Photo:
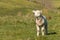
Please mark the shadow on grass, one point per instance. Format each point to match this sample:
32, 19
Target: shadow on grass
51, 33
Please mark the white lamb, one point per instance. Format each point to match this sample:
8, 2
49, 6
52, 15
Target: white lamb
41, 22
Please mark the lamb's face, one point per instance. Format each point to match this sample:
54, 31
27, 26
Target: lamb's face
37, 13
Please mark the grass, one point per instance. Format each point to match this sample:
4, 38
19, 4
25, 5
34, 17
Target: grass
23, 28
15, 29
17, 21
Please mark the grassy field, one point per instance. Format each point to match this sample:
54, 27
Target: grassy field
17, 21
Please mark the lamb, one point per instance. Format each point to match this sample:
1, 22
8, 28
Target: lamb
41, 22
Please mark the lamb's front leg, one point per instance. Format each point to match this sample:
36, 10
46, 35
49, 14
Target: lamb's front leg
43, 30
38, 30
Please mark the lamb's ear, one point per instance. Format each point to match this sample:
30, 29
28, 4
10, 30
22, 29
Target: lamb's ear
33, 11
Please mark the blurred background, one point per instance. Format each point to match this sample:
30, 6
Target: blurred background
17, 21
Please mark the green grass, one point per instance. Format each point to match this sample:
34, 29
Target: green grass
17, 21
11, 7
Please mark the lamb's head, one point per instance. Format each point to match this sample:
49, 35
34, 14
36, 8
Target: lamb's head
37, 13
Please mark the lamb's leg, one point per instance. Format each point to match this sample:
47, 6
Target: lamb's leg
43, 30
38, 30
46, 30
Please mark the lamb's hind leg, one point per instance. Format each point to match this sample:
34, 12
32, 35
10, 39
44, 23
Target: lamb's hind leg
46, 30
